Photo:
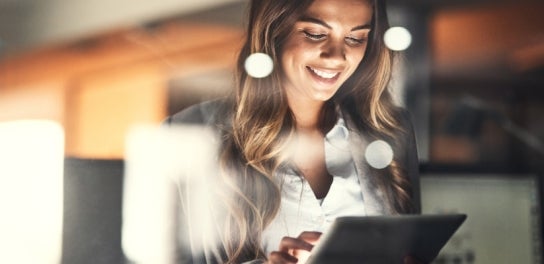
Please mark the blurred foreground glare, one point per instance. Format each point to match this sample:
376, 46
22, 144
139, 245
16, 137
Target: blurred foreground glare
31, 191
397, 38
158, 162
259, 65
379, 154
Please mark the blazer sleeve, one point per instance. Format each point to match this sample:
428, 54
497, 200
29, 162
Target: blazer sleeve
411, 160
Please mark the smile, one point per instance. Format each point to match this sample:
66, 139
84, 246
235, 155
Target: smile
324, 74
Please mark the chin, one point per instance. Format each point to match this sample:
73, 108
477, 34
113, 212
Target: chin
323, 97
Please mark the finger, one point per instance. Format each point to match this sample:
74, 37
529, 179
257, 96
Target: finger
279, 257
290, 243
310, 236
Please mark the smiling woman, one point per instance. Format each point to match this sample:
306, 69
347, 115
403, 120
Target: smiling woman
324, 49
292, 143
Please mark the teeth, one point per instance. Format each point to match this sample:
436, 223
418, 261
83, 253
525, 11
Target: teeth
322, 74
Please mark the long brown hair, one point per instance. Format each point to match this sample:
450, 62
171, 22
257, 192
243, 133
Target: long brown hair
262, 123
367, 100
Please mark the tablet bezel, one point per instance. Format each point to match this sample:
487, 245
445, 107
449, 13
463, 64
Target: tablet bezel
385, 239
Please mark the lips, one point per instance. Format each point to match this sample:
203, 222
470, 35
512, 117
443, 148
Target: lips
324, 74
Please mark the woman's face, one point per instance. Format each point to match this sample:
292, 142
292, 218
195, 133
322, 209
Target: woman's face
324, 48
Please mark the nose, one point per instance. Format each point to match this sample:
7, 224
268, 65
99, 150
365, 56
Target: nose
334, 50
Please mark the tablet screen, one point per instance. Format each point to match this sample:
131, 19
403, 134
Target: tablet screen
385, 239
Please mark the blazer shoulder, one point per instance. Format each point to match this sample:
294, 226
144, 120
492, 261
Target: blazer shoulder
205, 113
404, 117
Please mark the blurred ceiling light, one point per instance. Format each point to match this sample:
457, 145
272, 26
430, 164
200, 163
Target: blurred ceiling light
31, 191
397, 38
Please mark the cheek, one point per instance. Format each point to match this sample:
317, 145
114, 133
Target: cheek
298, 48
296, 56
360, 54
356, 58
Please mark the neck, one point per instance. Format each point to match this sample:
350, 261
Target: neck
307, 114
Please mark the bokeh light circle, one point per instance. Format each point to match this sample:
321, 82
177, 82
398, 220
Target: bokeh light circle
379, 154
397, 38
259, 65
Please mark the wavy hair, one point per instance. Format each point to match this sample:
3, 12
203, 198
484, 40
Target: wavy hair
262, 123
366, 98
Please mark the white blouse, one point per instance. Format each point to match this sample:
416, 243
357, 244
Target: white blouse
301, 211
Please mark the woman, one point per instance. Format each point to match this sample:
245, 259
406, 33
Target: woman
293, 143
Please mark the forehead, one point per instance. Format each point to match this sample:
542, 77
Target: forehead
343, 11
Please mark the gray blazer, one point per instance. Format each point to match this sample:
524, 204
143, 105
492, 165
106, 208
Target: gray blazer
212, 114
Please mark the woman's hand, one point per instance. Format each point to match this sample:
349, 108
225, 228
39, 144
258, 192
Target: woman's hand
294, 250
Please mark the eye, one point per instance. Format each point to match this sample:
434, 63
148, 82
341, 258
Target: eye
352, 41
315, 37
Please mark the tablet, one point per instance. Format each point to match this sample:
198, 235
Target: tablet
385, 239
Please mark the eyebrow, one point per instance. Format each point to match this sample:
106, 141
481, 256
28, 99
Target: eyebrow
323, 23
